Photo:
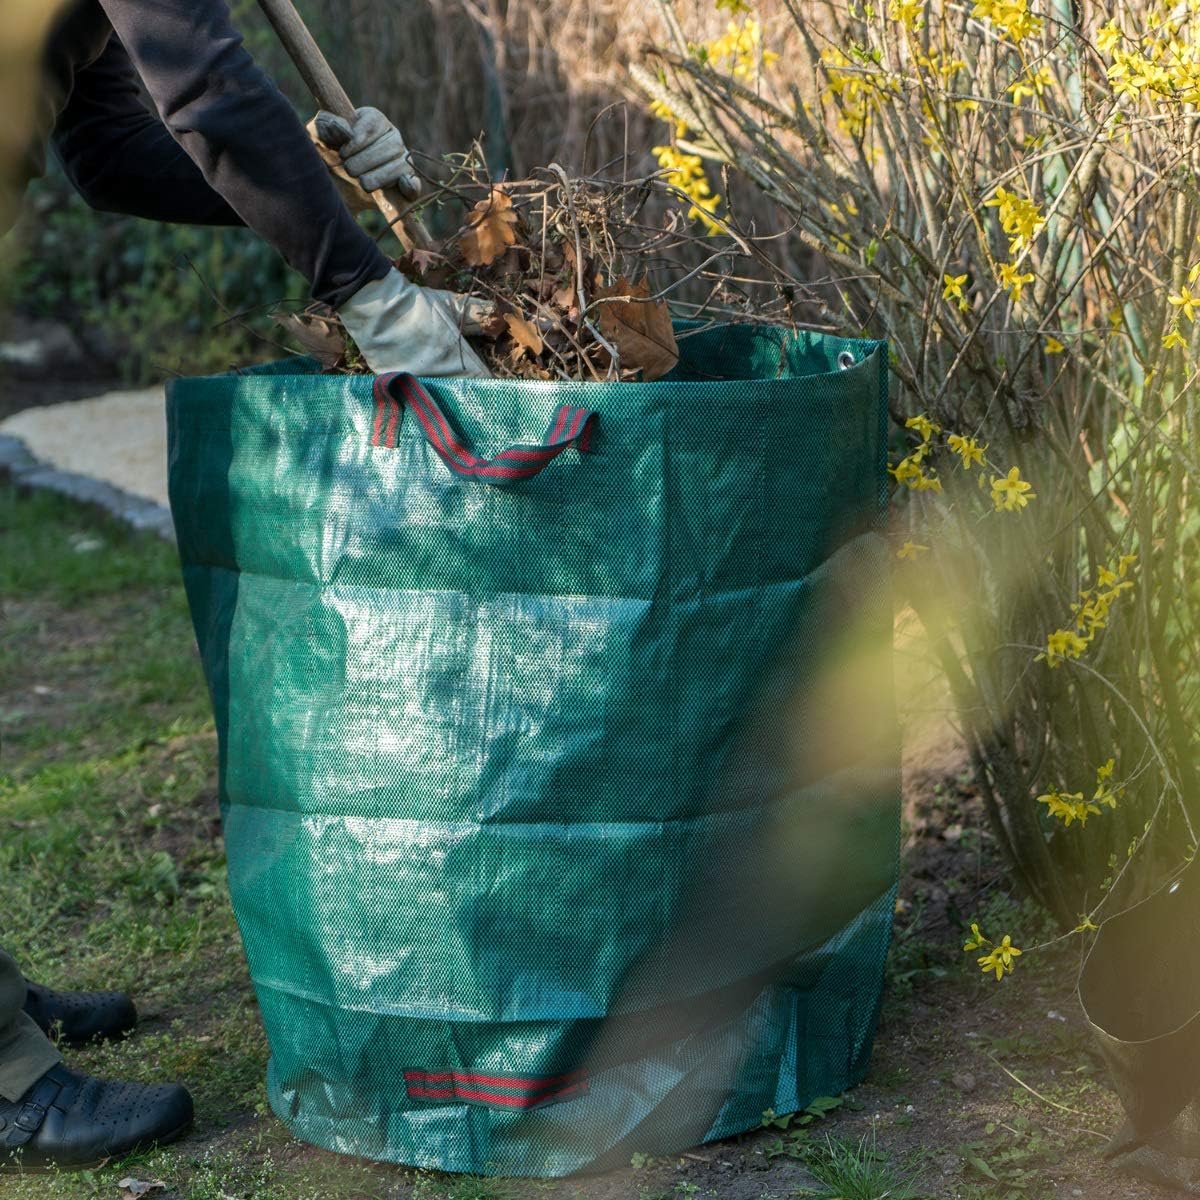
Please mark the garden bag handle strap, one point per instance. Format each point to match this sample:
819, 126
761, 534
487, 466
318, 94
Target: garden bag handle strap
393, 392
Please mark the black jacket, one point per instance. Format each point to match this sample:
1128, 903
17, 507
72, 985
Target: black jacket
224, 148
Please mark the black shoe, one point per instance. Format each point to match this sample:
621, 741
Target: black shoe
68, 1121
76, 1018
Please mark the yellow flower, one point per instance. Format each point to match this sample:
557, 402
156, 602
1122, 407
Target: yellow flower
740, 49
1085, 923
1107, 37
1031, 85
1020, 217
1184, 300
1012, 281
1011, 17
976, 941
685, 172
911, 550
1011, 492
954, 287
923, 425
1068, 807
1105, 793
1060, 645
1000, 959
907, 12
1054, 346
1174, 338
967, 448
1124, 563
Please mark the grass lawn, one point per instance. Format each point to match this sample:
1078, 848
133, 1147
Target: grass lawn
112, 875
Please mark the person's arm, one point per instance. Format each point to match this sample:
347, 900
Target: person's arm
245, 139
121, 157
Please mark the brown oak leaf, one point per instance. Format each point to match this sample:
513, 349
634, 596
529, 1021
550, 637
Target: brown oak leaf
491, 229
639, 327
524, 334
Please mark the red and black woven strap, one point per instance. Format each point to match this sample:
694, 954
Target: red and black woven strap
394, 392
492, 1090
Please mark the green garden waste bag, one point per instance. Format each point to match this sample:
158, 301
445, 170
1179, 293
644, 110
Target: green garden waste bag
559, 768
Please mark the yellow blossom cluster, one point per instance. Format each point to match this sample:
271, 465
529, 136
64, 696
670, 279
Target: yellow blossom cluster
739, 50
664, 113
686, 173
939, 65
1090, 613
909, 13
1069, 807
1011, 17
1185, 301
856, 91
967, 449
1020, 217
1033, 84
1011, 493
1162, 61
1013, 280
999, 959
910, 470
952, 289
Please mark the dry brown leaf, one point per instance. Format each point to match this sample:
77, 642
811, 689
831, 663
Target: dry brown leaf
640, 328
524, 334
135, 1189
491, 229
564, 297
322, 337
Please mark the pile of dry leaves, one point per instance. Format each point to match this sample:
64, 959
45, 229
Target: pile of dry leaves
567, 263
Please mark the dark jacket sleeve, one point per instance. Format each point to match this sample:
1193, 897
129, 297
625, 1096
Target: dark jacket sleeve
245, 138
121, 157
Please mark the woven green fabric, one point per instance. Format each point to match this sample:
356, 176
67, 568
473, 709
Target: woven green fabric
562, 816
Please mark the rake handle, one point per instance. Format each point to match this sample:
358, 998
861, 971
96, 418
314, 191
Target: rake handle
329, 94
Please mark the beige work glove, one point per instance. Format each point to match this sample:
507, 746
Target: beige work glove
364, 155
400, 326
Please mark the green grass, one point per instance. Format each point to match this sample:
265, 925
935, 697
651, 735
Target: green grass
856, 1170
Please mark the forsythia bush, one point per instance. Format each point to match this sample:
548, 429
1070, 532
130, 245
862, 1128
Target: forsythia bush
1009, 196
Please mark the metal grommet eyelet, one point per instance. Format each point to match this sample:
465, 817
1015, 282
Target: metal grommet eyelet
845, 360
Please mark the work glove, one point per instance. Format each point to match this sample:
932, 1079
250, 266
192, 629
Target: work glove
400, 326
370, 151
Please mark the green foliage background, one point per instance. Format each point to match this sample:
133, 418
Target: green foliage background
149, 299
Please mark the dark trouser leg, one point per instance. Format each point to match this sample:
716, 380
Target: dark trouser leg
26, 1054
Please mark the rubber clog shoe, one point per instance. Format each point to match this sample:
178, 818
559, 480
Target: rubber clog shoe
76, 1018
69, 1121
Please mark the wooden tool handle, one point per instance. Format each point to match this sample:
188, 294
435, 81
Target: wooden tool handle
329, 94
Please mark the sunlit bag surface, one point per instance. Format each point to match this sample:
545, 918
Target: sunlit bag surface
558, 759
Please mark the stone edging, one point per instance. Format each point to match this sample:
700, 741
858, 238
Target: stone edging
25, 471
